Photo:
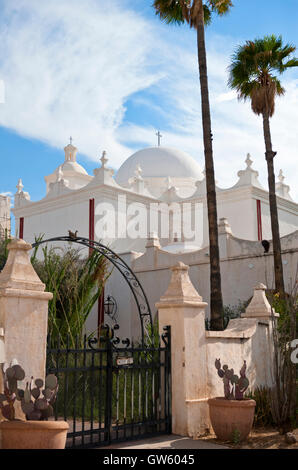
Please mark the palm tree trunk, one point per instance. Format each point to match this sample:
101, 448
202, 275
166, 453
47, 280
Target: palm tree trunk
216, 303
278, 270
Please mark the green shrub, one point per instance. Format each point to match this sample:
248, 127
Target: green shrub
76, 284
263, 414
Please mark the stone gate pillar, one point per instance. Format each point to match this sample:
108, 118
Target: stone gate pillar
23, 311
182, 308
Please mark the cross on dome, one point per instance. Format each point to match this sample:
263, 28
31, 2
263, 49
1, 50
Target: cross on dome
159, 136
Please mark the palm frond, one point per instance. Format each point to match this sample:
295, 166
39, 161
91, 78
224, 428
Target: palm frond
251, 72
189, 11
221, 7
170, 11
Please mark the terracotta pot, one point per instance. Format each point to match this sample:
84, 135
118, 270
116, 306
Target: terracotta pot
231, 419
33, 434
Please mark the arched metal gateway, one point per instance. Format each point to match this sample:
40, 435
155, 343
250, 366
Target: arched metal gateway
111, 390
133, 282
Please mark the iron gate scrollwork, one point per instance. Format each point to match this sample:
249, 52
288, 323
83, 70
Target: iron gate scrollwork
133, 282
112, 390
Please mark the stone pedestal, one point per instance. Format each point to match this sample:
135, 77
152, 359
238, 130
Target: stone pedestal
23, 311
182, 308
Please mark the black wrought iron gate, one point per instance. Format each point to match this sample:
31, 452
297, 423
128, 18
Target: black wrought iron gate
109, 392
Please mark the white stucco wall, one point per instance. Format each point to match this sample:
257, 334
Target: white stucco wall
243, 265
4, 215
242, 259
255, 348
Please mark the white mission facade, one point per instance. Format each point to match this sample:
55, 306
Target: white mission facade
156, 203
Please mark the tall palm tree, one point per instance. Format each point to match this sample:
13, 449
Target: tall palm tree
198, 13
254, 72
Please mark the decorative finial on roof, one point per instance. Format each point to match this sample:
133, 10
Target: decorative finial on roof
70, 151
281, 176
281, 188
20, 196
59, 173
248, 161
159, 136
19, 186
103, 159
169, 182
138, 171
249, 176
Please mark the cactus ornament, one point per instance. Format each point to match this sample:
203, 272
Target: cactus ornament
234, 386
36, 401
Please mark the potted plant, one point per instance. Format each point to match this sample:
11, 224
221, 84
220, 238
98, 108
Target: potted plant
232, 415
36, 432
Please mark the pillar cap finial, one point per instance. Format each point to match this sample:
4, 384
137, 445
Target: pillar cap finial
180, 292
259, 307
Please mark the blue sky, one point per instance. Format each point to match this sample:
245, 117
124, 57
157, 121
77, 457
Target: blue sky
109, 73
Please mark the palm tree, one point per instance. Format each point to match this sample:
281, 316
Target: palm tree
197, 13
253, 75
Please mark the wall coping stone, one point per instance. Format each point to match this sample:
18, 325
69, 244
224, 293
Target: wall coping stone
242, 328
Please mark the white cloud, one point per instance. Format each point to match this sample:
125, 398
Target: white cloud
68, 69
236, 130
228, 96
70, 66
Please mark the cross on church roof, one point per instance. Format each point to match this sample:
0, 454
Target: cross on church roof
159, 136
70, 140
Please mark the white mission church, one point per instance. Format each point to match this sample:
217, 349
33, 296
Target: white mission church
162, 183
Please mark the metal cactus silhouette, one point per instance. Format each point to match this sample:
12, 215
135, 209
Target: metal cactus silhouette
234, 386
36, 401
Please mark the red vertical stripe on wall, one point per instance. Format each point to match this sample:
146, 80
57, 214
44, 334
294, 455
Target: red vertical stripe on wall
101, 312
21, 227
259, 220
100, 302
91, 222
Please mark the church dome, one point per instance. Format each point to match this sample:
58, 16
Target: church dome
70, 170
159, 162
73, 167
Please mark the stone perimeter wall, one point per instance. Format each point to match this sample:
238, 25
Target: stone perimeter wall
23, 332
194, 350
243, 265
